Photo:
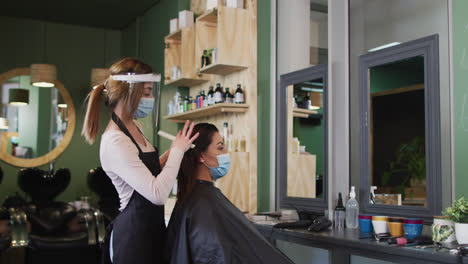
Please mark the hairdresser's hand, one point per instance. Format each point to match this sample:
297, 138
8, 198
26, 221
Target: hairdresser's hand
183, 140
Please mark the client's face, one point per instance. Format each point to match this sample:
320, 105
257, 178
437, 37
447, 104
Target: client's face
214, 149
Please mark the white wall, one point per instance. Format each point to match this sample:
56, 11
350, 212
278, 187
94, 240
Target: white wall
378, 22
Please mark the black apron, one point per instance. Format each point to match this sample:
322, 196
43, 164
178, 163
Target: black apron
139, 230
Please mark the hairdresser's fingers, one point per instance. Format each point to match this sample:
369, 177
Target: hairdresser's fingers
194, 137
184, 131
189, 133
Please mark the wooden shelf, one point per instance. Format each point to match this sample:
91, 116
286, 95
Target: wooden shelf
208, 111
185, 82
176, 36
304, 113
221, 69
211, 16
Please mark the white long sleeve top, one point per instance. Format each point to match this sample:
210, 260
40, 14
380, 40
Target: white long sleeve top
120, 161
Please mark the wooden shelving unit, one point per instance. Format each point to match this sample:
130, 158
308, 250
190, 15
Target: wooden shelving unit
208, 111
180, 51
303, 113
221, 69
223, 28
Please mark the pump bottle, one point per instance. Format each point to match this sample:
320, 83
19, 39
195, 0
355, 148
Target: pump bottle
352, 210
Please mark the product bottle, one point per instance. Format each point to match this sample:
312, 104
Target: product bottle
170, 106
197, 101
186, 104
181, 106
239, 95
218, 94
228, 97
193, 104
306, 102
352, 210
339, 213
202, 99
211, 96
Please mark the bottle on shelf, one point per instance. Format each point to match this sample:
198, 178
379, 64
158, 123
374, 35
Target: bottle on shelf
242, 144
170, 107
210, 96
239, 95
193, 104
339, 213
186, 104
202, 99
180, 106
197, 101
218, 94
352, 210
229, 99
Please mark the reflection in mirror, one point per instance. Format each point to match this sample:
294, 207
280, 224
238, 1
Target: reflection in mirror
397, 132
33, 120
305, 139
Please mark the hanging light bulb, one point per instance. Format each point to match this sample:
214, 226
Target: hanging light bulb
18, 96
43, 75
99, 76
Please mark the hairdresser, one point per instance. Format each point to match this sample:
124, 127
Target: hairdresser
142, 178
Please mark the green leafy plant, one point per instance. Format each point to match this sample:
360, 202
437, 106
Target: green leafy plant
458, 212
410, 161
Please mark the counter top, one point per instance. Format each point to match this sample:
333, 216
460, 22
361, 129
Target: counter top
348, 241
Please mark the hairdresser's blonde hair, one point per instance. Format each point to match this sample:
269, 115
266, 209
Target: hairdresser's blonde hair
116, 91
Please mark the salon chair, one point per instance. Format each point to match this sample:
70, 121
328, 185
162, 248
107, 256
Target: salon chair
5, 233
101, 184
58, 233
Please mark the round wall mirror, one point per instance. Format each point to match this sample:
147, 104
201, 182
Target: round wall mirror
36, 123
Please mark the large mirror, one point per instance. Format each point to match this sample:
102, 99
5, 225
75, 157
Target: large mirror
400, 122
303, 139
36, 123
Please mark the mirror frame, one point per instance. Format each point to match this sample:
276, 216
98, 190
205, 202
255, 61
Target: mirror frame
52, 155
429, 48
308, 204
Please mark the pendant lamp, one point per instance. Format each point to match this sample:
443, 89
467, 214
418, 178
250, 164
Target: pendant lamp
60, 102
43, 75
3, 123
18, 96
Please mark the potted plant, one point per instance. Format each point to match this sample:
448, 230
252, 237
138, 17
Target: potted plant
458, 213
409, 166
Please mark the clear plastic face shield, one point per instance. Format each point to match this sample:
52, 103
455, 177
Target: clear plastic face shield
151, 82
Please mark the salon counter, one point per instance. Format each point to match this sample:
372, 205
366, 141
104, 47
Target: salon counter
348, 242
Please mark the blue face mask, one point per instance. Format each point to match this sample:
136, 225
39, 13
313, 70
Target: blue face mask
224, 162
144, 107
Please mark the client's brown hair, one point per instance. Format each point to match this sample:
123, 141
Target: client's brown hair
186, 179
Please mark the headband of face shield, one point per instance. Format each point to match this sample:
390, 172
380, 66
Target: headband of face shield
146, 105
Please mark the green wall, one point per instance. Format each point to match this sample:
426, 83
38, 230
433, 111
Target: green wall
460, 95
263, 103
75, 50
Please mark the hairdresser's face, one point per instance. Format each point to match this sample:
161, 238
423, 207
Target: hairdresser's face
148, 90
216, 148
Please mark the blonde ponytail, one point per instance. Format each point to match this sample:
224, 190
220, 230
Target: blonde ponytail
91, 121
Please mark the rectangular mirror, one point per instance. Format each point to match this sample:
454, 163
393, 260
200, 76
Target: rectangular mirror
400, 129
397, 132
302, 137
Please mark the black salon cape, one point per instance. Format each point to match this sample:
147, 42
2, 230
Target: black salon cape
208, 228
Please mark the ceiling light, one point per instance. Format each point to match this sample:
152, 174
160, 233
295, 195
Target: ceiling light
43, 75
384, 46
18, 96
